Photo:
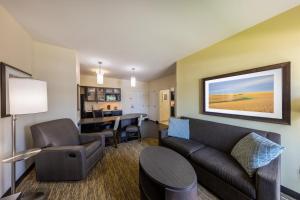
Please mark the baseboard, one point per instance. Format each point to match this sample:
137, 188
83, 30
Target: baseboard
20, 179
290, 192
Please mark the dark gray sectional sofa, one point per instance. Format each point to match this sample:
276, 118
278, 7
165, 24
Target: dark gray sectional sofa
209, 150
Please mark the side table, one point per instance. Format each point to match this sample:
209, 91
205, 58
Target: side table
24, 155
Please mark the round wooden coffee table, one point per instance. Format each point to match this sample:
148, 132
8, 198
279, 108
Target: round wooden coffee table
165, 174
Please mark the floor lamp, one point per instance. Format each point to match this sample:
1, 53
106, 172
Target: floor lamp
26, 96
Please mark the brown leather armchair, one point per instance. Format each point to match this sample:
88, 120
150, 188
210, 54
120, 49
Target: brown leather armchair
66, 155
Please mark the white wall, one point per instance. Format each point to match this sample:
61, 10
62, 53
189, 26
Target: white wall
77, 83
57, 66
53, 64
16, 50
154, 87
133, 100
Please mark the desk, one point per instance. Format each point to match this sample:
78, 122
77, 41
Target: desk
109, 119
97, 120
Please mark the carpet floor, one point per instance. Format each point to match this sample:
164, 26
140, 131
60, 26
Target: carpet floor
113, 178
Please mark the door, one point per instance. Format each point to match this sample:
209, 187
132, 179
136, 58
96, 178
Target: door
154, 105
164, 106
129, 102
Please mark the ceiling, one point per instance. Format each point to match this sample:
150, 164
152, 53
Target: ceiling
149, 35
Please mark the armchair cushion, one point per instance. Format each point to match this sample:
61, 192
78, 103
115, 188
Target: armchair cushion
91, 147
90, 137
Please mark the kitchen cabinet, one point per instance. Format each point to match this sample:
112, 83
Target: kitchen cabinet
100, 94
90, 94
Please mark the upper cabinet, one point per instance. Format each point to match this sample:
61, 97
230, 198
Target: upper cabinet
90, 94
109, 90
99, 94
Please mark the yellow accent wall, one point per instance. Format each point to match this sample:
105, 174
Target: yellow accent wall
273, 41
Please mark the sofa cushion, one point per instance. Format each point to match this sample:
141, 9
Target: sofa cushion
91, 147
255, 151
225, 167
220, 136
183, 146
179, 128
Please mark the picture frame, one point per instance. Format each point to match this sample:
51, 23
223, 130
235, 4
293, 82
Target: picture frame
7, 71
260, 94
78, 97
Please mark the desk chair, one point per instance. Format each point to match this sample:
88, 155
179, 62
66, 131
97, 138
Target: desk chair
135, 128
98, 113
113, 132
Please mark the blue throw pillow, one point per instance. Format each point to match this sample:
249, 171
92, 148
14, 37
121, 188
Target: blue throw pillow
179, 128
254, 151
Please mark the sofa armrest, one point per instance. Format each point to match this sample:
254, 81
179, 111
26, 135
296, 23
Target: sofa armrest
162, 134
90, 137
61, 162
268, 179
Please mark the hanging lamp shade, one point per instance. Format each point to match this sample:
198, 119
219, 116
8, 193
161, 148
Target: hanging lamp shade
100, 78
100, 75
132, 79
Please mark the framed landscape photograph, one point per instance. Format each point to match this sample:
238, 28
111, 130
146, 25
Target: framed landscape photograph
7, 71
261, 94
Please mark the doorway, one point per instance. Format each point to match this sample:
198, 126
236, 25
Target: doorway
164, 106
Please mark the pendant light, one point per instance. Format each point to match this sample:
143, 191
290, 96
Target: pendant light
132, 79
100, 75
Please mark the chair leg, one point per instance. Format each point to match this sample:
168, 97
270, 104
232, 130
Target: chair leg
115, 142
118, 138
127, 136
115, 139
139, 135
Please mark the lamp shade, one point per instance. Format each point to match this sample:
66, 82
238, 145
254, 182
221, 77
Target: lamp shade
132, 81
100, 78
27, 96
